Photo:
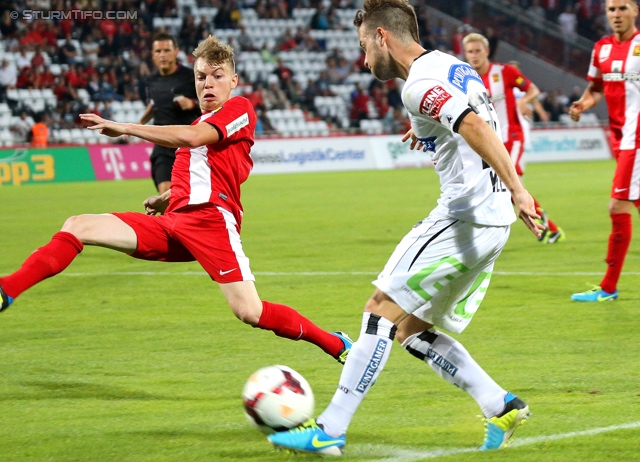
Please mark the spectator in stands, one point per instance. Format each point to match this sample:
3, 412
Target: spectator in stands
275, 97
172, 101
400, 122
8, 78
568, 21
535, 12
284, 73
336, 77
22, 60
286, 41
228, 16
8, 26
393, 94
244, 42
37, 60
320, 19
22, 126
256, 97
263, 125
40, 130
68, 54
359, 106
90, 49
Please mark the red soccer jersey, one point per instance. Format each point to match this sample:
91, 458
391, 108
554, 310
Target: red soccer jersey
213, 173
617, 66
500, 80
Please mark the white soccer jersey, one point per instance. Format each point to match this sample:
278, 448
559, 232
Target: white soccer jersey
439, 92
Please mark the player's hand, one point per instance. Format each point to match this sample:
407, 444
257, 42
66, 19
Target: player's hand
154, 205
186, 104
525, 109
414, 140
106, 127
576, 110
526, 210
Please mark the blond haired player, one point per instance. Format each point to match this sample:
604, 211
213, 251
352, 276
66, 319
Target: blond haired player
202, 212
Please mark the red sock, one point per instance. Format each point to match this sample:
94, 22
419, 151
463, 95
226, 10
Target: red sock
288, 323
619, 241
45, 262
552, 226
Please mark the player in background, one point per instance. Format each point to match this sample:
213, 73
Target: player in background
439, 273
614, 72
500, 81
525, 113
172, 101
202, 210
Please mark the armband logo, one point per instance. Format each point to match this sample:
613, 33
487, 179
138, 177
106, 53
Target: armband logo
432, 102
461, 74
636, 50
519, 81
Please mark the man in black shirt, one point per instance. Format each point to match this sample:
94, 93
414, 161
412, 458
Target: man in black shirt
171, 92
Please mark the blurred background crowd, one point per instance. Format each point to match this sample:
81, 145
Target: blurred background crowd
298, 60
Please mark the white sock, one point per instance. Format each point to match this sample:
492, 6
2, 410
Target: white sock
451, 361
365, 361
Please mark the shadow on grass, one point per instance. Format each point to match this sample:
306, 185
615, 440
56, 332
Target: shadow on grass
81, 390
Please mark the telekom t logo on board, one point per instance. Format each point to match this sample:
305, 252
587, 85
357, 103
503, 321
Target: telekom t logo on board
126, 162
113, 163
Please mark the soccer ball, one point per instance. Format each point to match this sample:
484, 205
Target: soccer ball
277, 398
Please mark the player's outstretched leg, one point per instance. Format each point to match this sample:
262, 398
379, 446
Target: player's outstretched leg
5, 300
498, 430
45, 262
286, 322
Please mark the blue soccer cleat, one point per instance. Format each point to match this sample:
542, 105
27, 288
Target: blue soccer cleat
308, 437
596, 294
498, 430
5, 300
346, 340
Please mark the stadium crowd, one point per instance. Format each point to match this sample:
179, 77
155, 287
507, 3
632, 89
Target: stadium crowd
309, 63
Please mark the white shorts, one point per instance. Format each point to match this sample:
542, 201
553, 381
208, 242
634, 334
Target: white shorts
441, 270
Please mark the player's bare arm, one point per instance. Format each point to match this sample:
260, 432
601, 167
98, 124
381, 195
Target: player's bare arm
157, 204
147, 116
484, 141
529, 97
172, 136
591, 96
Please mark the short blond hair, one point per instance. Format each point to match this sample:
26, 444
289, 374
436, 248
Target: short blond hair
475, 37
213, 51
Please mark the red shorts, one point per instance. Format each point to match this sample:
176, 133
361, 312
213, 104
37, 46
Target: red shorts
515, 147
626, 181
206, 233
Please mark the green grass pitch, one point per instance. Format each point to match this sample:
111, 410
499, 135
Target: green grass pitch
123, 360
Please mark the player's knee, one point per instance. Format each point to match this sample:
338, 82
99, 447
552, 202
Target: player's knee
75, 225
245, 313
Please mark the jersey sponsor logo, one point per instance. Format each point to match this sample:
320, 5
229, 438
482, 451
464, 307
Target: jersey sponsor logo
461, 74
432, 102
237, 124
372, 367
620, 77
428, 144
605, 51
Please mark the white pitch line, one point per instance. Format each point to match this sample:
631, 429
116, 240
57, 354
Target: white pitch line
397, 454
325, 273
